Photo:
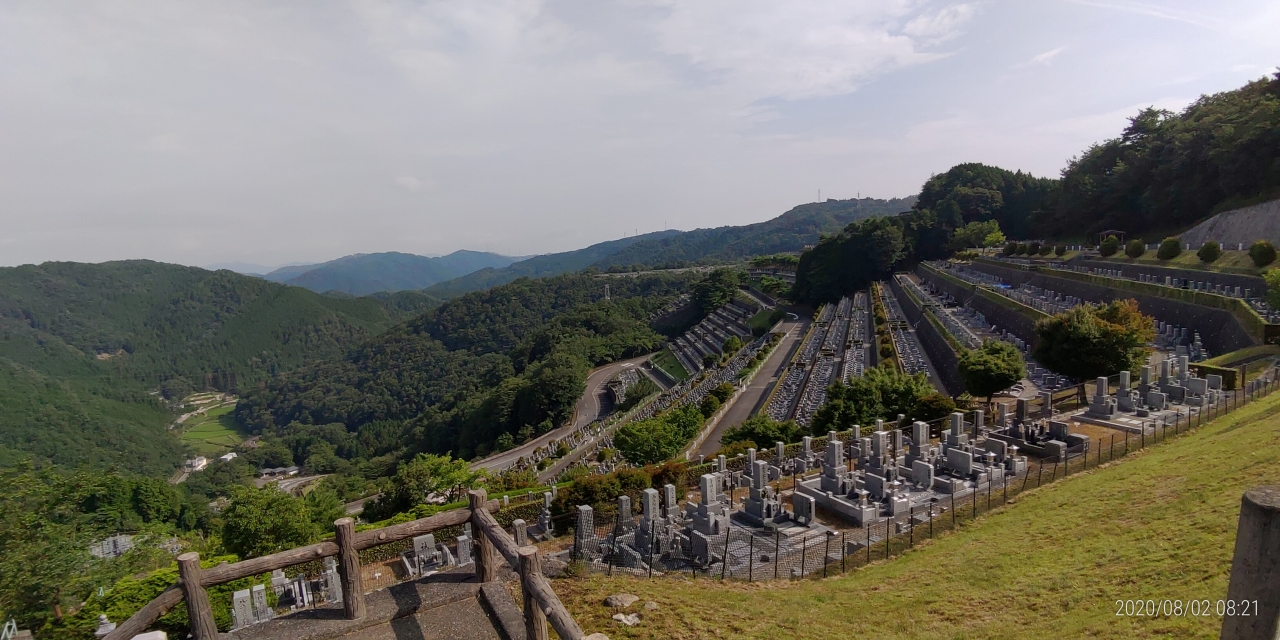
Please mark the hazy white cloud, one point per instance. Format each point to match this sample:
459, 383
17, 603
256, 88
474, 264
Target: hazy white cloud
408, 182
201, 132
941, 25
1042, 58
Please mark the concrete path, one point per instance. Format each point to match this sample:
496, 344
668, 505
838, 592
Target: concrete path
750, 401
586, 410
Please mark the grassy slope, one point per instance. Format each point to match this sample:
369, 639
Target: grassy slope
214, 432
1230, 262
1160, 524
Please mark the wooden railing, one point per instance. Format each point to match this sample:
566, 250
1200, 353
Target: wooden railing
541, 605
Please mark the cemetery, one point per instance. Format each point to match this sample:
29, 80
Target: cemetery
833, 350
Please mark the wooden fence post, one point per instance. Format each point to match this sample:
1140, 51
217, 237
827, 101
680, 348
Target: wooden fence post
199, 613
535, 621
486, 558
349, 568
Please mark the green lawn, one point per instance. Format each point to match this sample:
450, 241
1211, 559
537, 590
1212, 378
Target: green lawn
1158, 524
667, 362
1230, 262
213, 432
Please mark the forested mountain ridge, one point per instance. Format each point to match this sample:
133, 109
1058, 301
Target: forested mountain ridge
82, 345
791, 231
550, 264
367, 273
508, 361
1165, 172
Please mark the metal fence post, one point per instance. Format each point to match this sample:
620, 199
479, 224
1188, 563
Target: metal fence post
751, 556
777, 545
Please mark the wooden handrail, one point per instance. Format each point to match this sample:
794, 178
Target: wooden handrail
502, 541
542, 605
224, 573
406, 530
546, 606
148, 614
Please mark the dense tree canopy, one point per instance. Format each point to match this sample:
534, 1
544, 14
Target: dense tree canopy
508, 360
993, 367
1095, 340
659, 438
879, 393
1168, 170
762, 432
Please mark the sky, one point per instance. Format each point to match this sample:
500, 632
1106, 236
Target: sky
300, 131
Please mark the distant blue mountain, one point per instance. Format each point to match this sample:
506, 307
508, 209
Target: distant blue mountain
542, 266
366, 273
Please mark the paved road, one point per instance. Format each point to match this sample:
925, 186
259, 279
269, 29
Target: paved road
748, 402
586, 410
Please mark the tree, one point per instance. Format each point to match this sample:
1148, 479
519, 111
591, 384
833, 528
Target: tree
1095, 340
879, 393
993, 239
762, 431
425, 477
723, 392
324, 506
1209, 252
1272, 277
1011, 248
993, 367
1060, 250
659, 438
1033, 249
709, 405
978, 235
1135, 248
717, 289
932, 406
731, 345
259, 522
1170, 248
1109, 247
1262, 253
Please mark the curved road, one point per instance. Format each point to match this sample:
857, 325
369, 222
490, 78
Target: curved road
746, 403
585, 410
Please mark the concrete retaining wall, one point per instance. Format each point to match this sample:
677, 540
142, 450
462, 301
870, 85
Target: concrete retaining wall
1220, 331
1132, 270
945, 360
999, 315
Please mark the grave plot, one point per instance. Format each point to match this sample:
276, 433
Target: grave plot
1166, 394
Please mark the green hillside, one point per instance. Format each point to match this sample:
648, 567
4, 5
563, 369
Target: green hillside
364, 274
508, 361
791, 231
551, 264
82, 346
1159, 524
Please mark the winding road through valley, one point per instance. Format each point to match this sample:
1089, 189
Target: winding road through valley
584, 411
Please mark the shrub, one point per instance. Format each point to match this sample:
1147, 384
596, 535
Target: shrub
1135, 248
1109, 247
886, 351
1033, 248
709, 406
1021, 249
1262, 253
1060, 250
1011, 248
1210, 252
1170, 248
1046, 249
